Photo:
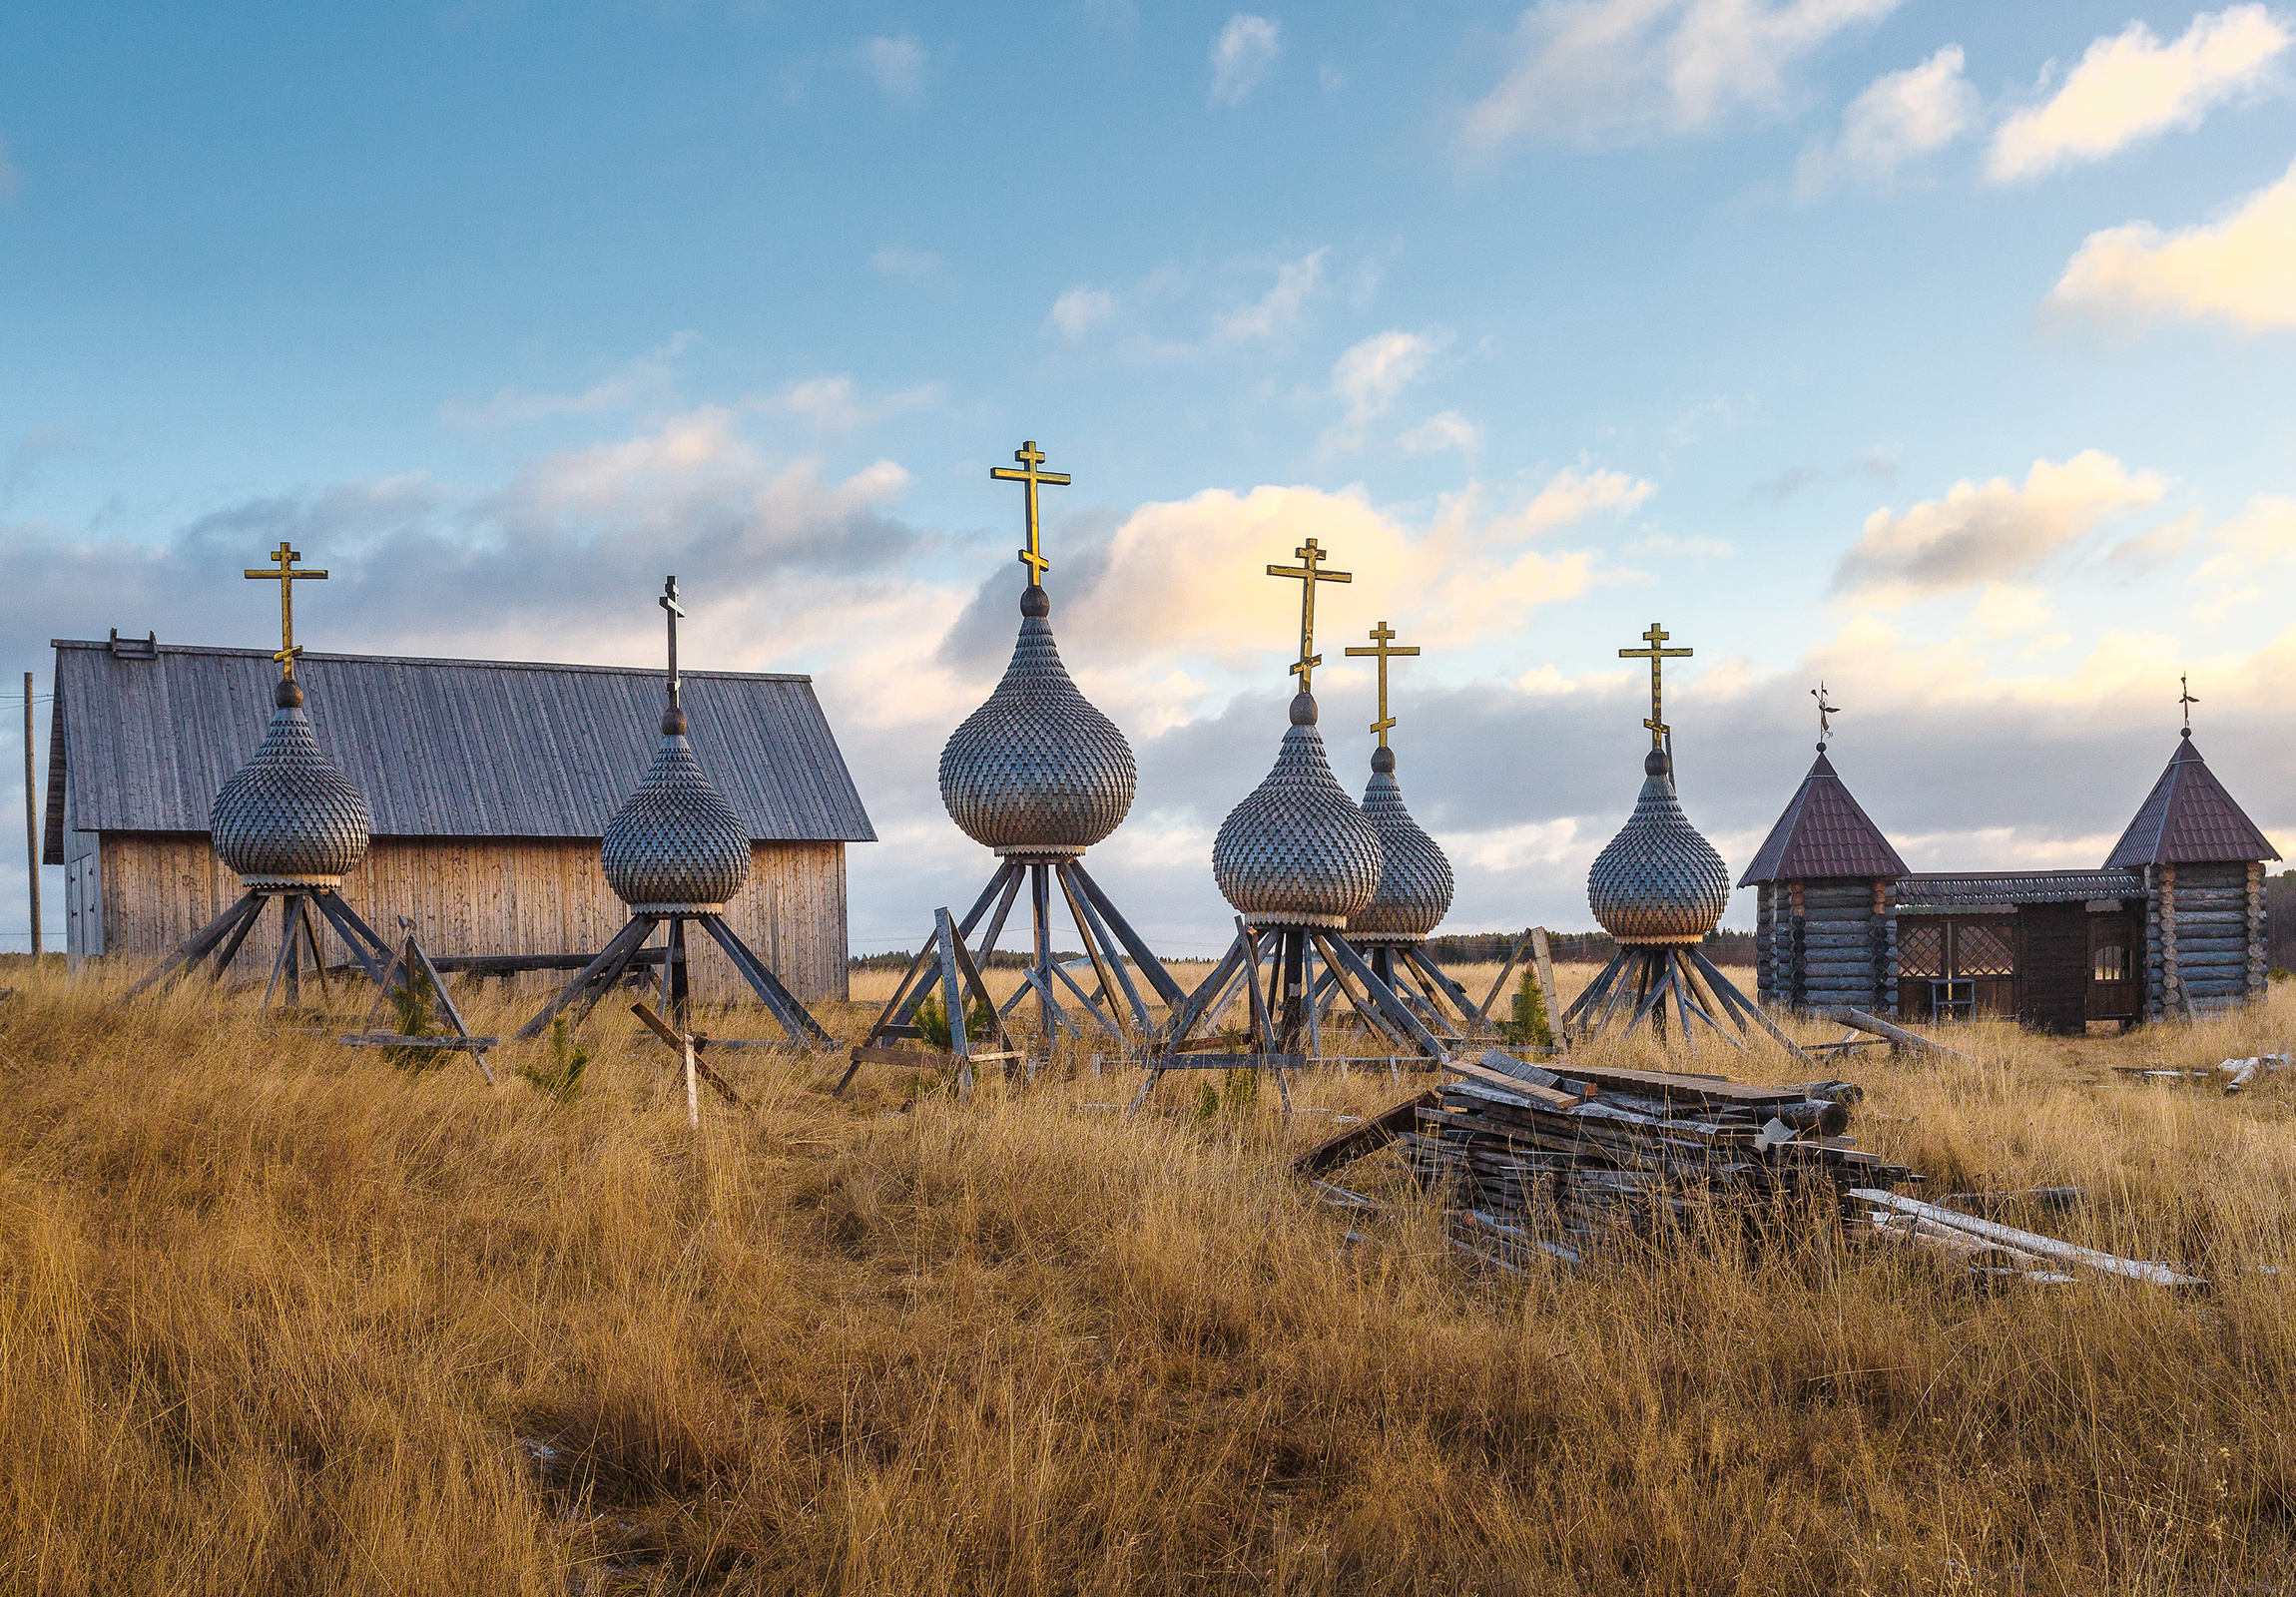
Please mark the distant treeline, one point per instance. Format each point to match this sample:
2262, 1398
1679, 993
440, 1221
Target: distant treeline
1724, 948
1002, 959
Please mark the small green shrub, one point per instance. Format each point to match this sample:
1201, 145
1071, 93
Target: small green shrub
562, 1078
411, 1007
1530, 1027
931, 1022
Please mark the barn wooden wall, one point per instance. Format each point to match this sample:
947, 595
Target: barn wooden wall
489, 897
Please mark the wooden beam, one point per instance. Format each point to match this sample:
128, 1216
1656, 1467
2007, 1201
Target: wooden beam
1374, 1134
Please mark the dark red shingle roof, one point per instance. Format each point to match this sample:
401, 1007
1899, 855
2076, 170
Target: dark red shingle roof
2188, 818
1823, 834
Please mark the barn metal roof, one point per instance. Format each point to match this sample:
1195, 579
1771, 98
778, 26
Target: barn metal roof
439, 747
2189, 818
1823, 834
2006, 890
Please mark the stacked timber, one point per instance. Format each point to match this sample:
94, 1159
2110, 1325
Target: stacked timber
1525, 1154
2205, 937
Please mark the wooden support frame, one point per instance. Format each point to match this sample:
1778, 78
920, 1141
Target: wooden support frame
1642, 977
943, 958
228, 932
595, 980
1285, 1013
400, 971
1117, 1007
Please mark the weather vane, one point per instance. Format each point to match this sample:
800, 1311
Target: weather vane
1382, 637
286, 577
2184, 697
1825, 710
1030, 457
669, 603
1311, 554
1656, 636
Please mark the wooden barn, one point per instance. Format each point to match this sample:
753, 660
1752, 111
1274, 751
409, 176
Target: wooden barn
2172, 924
490, 784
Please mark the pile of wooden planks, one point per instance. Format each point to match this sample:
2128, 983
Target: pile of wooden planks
1579, 1154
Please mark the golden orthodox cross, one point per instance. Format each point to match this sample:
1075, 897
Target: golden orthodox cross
1311, 554
1824, 726
286, 577
669, 602
2184, 697
1656, 636
1382, 637
1030, 457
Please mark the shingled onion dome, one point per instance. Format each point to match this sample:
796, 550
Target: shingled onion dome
290, 819
1658, 880
1036, 771
1297, 852
674, 847
1415, 878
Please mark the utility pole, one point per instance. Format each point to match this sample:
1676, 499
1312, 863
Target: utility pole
31, 822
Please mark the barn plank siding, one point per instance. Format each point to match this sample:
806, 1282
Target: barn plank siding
490, 896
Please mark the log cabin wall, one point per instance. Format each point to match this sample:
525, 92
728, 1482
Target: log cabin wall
485, 897
1842, 942
2207, 924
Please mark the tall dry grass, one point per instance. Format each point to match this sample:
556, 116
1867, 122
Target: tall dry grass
278, 1317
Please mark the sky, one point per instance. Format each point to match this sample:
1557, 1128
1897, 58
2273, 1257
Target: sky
1940, 352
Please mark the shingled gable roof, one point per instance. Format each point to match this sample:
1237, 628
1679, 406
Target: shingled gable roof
2189, 818
438, 748
1823, 834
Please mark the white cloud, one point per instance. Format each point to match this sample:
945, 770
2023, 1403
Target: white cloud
1988, 533
648, 375
2240, 269
1899, 118
2131, 87
1275, 312
1240, 55
1075, 311
1368, 376
1612, 70
897, 64
827, 404
1446, 429
1571, 495
2257, 540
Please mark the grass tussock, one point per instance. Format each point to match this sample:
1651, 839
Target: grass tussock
278, 1317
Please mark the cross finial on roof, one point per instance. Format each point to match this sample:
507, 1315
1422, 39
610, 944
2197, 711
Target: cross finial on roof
285, 576
1656, 636
1312, 554
2184, 697
669, 603
1383, 639
1825, 710
1030, 457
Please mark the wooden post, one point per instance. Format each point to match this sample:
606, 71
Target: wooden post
693, 1099
2171, 981
31, 823
1544, 963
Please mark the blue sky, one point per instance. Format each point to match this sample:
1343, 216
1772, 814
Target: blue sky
1938, 350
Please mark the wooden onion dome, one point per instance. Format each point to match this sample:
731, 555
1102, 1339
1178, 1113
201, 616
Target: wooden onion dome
1658, 880
1297, 852
1038, 770
289, 817
1415, 890
674, 847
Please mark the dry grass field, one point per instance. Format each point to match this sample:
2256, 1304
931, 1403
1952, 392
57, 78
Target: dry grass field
279, 1316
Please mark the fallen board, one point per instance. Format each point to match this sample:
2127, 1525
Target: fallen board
1356, 1141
